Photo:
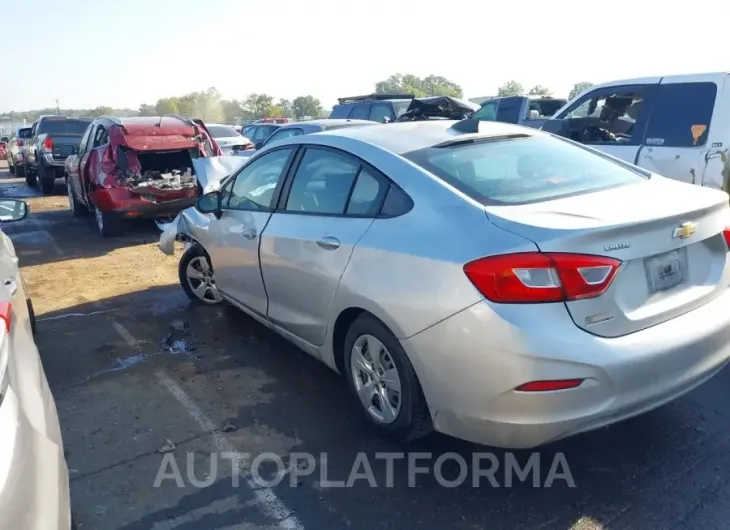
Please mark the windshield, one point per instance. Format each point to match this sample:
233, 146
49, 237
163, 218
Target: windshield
63, 126
222, 131
522, 170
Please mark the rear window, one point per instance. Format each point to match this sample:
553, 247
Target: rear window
681, 115
24, 133
63, 126
340, 111
522, 170
221, 131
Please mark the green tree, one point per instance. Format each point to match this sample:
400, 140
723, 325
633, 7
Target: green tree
101, 111
307, 106
287, 110
539, 90
147, 110
204, 105
257, 106
167, 106
232, 110
578, 88
510, 88
433, 85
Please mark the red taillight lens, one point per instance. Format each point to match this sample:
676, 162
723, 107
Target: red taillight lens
548, 386
726, 235
535, 277
6, 312
18, 143
48, 144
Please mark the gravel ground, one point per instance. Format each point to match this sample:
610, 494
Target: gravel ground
111, 310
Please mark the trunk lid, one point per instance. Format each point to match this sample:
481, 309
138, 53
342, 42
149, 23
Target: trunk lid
63, 144
667, 234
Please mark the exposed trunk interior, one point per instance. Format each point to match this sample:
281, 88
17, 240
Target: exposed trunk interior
163, 170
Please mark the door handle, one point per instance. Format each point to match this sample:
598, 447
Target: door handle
329, 243
250, 233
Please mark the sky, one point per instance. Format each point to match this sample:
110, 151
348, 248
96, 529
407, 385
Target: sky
89, 53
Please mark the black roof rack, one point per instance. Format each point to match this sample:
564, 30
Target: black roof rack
377, 97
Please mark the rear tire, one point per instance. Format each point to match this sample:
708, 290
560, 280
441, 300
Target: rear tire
48, 179
412, 419
31, 316
11, 168
30, 178
107, 223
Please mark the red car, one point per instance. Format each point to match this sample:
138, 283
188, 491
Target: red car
131, 168
3, 152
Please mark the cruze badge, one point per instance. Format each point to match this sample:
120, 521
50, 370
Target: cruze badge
685, 230
616, 246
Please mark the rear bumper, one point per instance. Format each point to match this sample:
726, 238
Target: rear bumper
50, 161
129, 205
34, 489
470, 364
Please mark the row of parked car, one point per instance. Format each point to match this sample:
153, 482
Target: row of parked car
497, 283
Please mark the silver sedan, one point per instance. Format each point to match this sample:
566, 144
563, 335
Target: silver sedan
493, 282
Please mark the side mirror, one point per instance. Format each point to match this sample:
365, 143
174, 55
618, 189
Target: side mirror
386, 119
258, 145
209, 203
12, 210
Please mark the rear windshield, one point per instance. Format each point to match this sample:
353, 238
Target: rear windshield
523, 170
63, 126
221, 131
340, 111
24, 133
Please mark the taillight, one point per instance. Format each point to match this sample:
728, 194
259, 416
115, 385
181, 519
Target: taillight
726, 235
18, 143
6, 313
535, 277
48, 144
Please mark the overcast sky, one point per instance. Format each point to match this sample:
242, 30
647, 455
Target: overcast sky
88, 53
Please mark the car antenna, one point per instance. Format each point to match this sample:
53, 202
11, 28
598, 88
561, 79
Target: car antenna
469, 125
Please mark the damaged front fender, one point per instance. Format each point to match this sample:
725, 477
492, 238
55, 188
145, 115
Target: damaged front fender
189, 225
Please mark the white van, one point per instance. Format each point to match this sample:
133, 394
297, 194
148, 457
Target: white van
676, 126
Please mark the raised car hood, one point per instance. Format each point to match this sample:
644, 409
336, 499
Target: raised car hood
211, 171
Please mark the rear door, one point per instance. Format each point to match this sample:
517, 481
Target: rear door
612, 119
677, 135
325, 209
246, 205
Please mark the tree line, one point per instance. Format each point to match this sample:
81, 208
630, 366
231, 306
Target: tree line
208, 105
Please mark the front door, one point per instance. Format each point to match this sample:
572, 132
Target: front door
308, 242
246, 204
612, 119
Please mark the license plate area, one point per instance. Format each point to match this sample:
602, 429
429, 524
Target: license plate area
666, 271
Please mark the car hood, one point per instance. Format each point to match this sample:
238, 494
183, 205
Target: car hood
211, 171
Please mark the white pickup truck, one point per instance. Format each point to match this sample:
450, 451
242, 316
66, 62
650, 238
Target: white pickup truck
677, 126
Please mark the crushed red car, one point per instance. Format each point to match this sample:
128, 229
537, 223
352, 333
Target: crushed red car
3, 152
127, 168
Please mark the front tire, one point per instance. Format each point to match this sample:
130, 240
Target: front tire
383, 381
198, 278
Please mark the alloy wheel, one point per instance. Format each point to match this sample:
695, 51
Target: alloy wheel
201, 279
376, 379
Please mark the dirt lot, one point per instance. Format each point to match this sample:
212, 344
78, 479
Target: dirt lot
109, 313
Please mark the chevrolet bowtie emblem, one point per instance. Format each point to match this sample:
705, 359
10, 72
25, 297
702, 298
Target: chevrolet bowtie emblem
685, 230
